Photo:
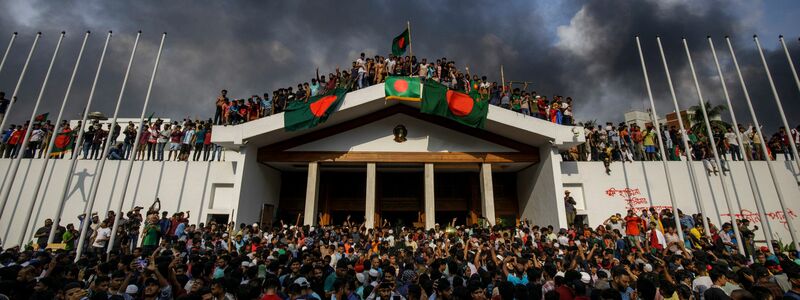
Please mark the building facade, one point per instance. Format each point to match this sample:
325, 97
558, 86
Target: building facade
356, 165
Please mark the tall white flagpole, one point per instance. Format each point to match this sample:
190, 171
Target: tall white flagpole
51, 144
19, 83
12, 171
747, 164
713, 146
788, 58
24, 146
685, 139
660, 142
14, 100
781, 197
135, 145
778, 102
78, 144
98, 176
8, 49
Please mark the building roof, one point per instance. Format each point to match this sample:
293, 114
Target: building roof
500, 121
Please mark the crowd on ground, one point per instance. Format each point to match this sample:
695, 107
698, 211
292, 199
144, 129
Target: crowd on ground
159, 141
156, 255
627, 143
367, 71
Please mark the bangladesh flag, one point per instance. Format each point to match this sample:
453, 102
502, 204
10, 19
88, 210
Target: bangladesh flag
402, 88
301, 115
437, 99
400, 43
62, 143
41, 118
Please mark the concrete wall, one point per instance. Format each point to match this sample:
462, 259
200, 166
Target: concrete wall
260, 184
538, 191
643, 184
181, 186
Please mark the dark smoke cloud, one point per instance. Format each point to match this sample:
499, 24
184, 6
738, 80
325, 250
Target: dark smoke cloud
583, 49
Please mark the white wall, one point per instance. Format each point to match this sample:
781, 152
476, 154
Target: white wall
422, 136
260, 184
646, 181
181, 186
539, 193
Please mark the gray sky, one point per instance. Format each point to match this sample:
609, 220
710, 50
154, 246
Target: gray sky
582, 49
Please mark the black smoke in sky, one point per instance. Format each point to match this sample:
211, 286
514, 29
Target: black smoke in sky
253, 48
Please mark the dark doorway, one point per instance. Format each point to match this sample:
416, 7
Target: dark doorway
399, 197
219, 218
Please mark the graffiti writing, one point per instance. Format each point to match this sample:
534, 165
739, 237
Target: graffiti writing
632, 197
754, 217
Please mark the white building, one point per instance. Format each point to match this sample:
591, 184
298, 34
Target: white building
352, 165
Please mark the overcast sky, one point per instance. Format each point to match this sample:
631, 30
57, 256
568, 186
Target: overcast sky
582, 49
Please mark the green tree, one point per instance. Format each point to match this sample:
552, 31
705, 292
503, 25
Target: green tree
714, 112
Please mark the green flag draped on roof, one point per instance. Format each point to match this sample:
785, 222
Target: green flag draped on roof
400, 43
402, 88
301, 115
466, 109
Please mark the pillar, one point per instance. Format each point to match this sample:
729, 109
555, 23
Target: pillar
487, 193
312, 194
369, 206
430, 218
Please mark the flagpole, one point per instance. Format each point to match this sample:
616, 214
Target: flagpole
778, 102
78, 143
135, 145
747, 163
410, 53
788, 58
19, 82
713, 146
98, 175
51, 145
670, 185
8, 49
12, 171
685, 139
502, 81
24, 146
775, 181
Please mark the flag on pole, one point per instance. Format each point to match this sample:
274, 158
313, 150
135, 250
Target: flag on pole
41, 118
301, 115
466, 109
400, 43
403, 88
62, 143
150, 117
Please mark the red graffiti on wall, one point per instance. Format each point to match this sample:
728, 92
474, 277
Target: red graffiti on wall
632, 197
753, 217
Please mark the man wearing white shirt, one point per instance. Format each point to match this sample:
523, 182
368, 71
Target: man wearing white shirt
733, 144
101, 237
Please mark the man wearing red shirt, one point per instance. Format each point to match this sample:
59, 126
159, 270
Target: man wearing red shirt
632, 223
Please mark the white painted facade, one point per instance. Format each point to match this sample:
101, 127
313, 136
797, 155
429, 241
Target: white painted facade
241, 185
643, 184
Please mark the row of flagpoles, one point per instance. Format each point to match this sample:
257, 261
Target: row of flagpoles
11, 172
756, 190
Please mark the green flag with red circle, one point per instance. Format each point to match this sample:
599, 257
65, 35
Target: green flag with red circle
464, 108
301, 115
402, 88
400, 43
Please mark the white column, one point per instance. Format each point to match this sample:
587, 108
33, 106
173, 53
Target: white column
487, 193
369, 206
312, 193
430, 218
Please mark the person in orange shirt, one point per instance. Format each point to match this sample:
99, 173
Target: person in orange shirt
632, 226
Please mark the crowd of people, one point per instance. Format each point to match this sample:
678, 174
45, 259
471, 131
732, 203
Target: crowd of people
159, 141
163, 256
367, 71
627, 143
